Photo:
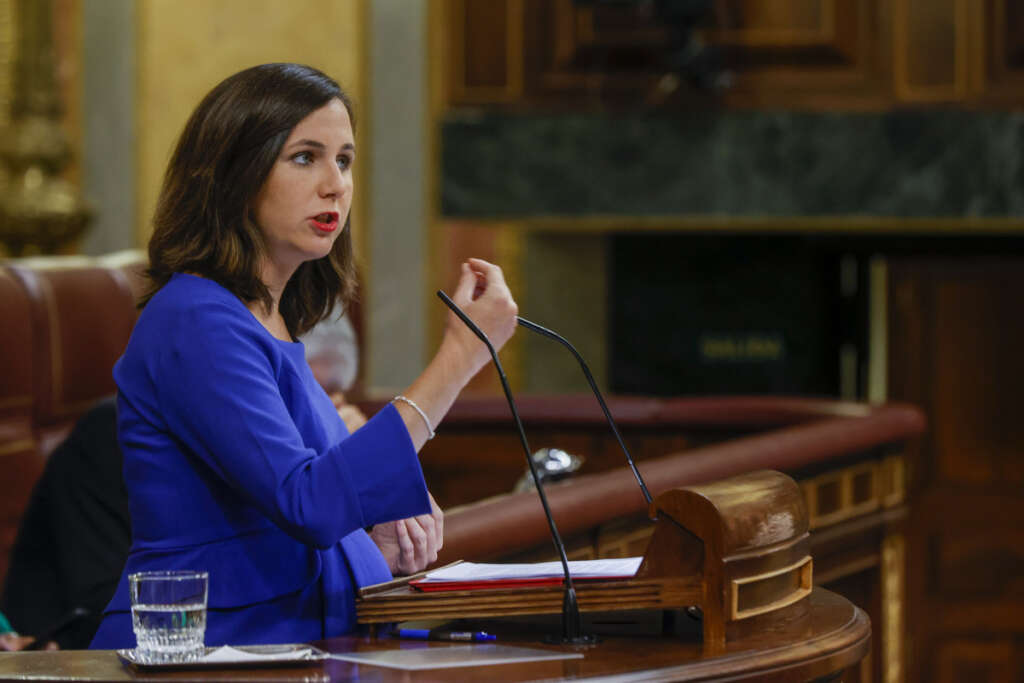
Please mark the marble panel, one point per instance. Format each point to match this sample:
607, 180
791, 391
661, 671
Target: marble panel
752, 163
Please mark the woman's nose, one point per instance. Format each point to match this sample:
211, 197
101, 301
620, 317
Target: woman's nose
334, 181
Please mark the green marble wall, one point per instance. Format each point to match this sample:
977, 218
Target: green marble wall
927, 163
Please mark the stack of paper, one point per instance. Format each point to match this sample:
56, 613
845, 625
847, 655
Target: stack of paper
472, 575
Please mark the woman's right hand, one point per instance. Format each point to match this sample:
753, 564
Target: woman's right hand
483, 295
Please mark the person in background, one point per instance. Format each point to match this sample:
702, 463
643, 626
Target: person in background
73, 538
235, 460
332, 352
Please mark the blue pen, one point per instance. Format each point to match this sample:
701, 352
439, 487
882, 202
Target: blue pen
434, 634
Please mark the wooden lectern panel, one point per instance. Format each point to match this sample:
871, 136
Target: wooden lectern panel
736, 548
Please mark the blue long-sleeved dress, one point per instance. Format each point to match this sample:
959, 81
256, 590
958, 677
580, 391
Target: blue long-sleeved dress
237, 463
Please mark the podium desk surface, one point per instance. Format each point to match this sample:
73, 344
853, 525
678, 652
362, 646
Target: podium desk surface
834, 635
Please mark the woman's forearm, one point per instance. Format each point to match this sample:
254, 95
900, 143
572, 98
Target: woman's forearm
485, 298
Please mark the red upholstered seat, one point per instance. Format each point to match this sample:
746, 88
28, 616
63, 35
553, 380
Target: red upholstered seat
66, 320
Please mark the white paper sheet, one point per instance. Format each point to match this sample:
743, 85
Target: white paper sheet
454, 656
474, 571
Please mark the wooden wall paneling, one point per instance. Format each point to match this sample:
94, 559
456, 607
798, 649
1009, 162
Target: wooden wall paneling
781, 52
976, 661
975, 442
767, 22
485, 50
997, 51
955, 343
986, 564
906, 374
820, 54
830, 53
579, 50
465, 467
607, 453
827, 53
931, 59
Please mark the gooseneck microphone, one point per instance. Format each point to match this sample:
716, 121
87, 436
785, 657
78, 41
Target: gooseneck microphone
540, 329
571, 626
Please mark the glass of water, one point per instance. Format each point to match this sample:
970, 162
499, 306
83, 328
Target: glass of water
169, 615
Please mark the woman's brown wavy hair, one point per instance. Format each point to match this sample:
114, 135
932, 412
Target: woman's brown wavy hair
222, 159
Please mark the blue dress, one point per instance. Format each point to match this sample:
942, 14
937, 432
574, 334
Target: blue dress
237, 463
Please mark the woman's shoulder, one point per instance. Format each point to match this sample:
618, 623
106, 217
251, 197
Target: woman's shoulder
190, 309
194, 297
185, 288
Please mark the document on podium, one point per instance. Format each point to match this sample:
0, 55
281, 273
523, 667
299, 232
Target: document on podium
422, 656
474, 575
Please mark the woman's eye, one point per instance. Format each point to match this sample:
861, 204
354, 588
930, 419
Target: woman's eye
303, 158
344, 162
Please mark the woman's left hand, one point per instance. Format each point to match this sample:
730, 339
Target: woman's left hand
411, 545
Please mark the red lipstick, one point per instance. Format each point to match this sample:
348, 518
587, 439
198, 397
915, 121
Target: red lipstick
325, 222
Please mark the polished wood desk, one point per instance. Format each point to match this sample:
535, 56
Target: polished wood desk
834, 636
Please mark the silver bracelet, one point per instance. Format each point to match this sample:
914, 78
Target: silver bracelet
419, 410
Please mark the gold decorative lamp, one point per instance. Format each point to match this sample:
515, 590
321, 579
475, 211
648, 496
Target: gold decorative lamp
40, 212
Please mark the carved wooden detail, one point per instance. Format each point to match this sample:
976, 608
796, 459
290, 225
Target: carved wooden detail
853, 491
858, 553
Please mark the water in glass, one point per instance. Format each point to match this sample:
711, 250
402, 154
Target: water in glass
169, 615
169, 632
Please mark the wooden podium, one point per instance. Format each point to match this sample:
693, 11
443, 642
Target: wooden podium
735, 548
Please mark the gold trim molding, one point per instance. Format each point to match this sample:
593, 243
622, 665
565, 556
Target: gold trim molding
6, 71
6, 58
803, 569
893, 563
826, 224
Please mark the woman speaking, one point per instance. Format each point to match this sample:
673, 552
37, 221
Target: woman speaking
235, 460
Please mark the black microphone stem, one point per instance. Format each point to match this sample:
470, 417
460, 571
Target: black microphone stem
534, 327
571, 625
